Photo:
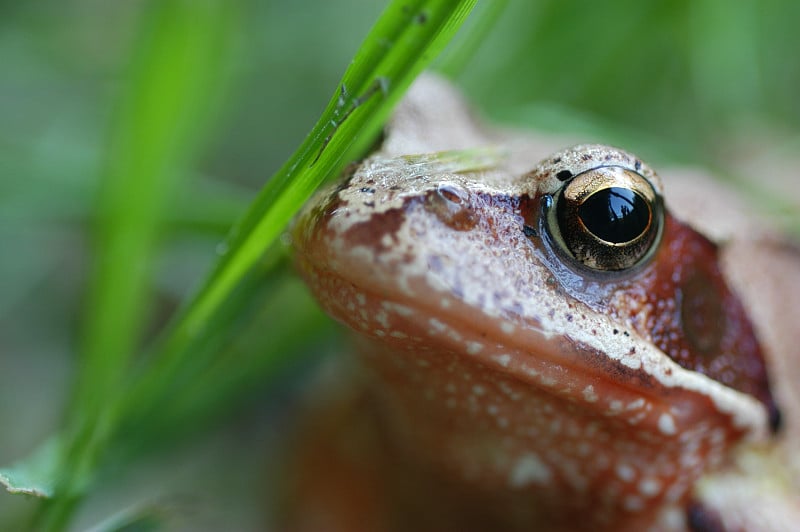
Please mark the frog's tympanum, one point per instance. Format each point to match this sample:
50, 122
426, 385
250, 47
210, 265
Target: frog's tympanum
576, 344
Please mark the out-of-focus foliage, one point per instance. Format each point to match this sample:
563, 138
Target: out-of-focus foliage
706, 81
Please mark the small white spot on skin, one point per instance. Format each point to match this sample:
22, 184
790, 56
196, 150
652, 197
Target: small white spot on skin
584, 449
386, 240
675, 492
689, 461
473, 348
507, 327
437, 325
615, 406
514, 396
625, 472
528, 470
478, 390
492, 409
635, 405
379, 333
632, 503
672, 519
548, 381
454, 335
401, 310
382, 318
445, 303
362, 299
717, 436
666, 424
589, 395
503, 360
633, 420
650, 487
398, 334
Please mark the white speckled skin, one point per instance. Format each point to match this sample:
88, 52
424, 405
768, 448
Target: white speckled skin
485, 377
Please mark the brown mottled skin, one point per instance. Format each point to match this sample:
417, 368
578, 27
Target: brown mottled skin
500, 386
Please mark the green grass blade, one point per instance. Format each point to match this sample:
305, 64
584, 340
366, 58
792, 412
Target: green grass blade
172, 85
378, 77
401, 44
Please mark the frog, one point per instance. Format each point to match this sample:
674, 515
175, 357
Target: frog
546, 338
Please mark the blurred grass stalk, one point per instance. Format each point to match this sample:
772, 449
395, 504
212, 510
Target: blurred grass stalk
162, 119
175, 79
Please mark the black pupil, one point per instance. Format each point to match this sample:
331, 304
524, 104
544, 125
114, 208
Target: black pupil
615, 214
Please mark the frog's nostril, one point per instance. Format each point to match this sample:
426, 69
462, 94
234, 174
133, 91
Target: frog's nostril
452, 206
453, 193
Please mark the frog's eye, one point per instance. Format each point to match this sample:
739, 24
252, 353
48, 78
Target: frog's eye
607, 218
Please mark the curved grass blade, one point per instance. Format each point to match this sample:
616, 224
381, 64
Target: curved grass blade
174, 82
407, 36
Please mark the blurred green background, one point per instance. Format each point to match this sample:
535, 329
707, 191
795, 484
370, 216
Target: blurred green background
706, 82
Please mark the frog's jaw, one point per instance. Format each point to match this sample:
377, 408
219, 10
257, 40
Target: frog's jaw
514, 421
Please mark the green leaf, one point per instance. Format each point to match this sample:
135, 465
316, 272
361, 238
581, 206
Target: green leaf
36, 474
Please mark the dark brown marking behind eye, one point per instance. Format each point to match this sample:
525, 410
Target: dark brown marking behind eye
702, 314
694, 317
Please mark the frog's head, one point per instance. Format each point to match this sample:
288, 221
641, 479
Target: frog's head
554, 330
